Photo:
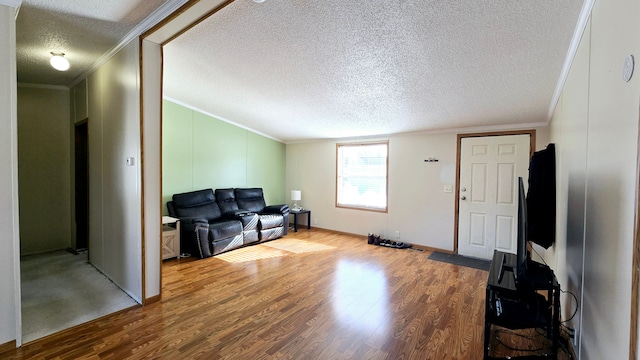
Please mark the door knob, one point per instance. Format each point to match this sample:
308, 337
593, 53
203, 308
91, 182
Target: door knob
463, 197
463, 189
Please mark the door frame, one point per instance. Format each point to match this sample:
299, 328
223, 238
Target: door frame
635, 268
532, 146
85, 124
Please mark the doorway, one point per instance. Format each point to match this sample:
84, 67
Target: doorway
87, 293
486, 208
82, 185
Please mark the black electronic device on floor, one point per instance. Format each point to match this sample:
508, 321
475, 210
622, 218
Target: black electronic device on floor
522, 293
522, 305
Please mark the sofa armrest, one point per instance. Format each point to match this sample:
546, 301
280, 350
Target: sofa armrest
276, 209
194, 234
191, 220
245, 217
202, 240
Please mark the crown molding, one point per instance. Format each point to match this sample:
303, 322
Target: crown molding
154, 18
585, 13
443, 131
41, 86
459, 130
11, 3
15, 4
194, 108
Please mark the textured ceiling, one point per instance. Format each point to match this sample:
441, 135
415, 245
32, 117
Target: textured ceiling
297, 69
84, 30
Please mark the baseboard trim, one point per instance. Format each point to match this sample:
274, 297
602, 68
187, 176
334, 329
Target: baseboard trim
151, 300
429, 248
332, 231
415, 246
8, 346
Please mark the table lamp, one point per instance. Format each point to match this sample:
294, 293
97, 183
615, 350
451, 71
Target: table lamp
295, 196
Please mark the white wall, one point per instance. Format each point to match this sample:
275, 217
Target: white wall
611, 181
595, 126
569, 133
44, 168
418, 206
9, 238
115, 245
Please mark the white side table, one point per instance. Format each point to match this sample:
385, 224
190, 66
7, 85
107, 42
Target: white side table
170, 238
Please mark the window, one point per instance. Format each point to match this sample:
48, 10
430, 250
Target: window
362, 176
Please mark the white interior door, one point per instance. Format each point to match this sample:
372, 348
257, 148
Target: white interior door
488, 198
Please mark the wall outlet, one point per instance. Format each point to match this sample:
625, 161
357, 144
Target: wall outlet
315, 221
397, 234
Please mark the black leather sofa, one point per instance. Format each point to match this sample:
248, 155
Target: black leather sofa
215, 222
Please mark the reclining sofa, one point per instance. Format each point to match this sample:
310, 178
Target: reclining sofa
215, 222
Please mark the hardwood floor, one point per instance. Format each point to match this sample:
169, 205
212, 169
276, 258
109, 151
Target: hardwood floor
311, 295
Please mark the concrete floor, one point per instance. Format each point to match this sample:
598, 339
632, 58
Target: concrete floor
61, 290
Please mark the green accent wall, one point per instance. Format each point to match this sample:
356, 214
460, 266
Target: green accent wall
200, 151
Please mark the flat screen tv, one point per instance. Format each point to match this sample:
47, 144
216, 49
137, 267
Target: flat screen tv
519, 269
522, 255
541, 197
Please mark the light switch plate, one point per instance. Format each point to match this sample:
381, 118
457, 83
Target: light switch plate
448, 188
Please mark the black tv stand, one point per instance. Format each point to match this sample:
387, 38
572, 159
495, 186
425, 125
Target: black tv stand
521, 304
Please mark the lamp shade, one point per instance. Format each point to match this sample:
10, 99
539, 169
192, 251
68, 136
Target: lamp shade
296, 195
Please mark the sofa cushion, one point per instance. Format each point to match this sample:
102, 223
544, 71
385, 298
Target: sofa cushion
194, 198
223, 229
249, 221
226, 244
250, 199
250, 237
271, 221
270, 234
210, 212
226, 200
201, 204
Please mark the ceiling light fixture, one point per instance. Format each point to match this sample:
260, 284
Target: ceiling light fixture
59, 62
258, 1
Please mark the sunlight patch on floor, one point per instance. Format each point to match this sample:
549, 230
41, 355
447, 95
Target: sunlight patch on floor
250, 253
297, 246
360, 297
271, 249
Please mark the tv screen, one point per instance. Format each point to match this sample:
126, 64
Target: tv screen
541, 197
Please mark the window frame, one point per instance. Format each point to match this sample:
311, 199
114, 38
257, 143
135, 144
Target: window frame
338, 172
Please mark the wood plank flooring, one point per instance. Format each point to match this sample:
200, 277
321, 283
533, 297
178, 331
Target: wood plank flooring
314, 294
